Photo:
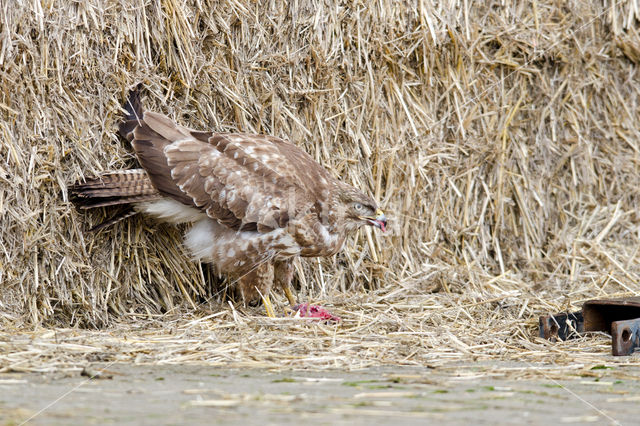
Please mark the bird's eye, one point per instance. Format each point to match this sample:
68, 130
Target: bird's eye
359, 207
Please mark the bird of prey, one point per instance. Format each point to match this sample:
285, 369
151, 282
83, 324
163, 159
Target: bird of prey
254, 202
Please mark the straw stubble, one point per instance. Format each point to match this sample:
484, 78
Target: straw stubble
500, 138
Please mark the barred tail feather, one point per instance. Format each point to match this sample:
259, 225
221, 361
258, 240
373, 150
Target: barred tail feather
115, 219
114, 188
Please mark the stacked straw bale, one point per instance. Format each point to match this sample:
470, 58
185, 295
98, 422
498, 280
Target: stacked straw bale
502, 139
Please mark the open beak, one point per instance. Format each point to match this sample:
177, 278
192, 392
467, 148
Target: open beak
380, 221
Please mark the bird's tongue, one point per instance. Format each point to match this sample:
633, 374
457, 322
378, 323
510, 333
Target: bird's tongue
382, 225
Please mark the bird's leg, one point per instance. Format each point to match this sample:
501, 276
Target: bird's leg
290, 297
283, 275
256, 285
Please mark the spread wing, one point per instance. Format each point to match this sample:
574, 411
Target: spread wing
245, 182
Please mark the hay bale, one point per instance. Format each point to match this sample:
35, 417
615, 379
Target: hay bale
502, 140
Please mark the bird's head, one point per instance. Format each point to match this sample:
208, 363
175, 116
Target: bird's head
359, 209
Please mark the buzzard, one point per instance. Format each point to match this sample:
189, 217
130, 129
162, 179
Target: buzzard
254, 202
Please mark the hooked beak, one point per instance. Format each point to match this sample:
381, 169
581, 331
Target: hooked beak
380, 221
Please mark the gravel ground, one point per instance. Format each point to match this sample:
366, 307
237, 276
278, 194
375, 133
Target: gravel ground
482, 393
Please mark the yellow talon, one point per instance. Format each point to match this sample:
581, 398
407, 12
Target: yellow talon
290, 297
268, 306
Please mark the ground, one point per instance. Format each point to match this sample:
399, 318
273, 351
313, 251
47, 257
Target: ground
231, 367
480, 393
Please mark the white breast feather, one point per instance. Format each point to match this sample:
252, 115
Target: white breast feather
171, 211
328, 238
208, 240
199, 239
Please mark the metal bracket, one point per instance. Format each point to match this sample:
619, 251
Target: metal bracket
618, 317
561, 326
625, 336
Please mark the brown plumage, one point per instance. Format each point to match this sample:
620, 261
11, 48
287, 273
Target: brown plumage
255, 202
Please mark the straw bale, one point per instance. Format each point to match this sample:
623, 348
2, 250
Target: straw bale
501, 137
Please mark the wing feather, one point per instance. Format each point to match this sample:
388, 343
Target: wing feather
165, 127
245, 182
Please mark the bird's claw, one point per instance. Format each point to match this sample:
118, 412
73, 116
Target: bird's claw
290, 297
268, 306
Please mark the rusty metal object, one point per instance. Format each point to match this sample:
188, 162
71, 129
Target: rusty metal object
599, 314
618, 317
561, 326
625, 337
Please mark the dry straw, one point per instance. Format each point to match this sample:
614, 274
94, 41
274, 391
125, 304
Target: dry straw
502, 139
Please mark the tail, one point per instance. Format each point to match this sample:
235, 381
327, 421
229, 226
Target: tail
125, 187
128, 212
114, 188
